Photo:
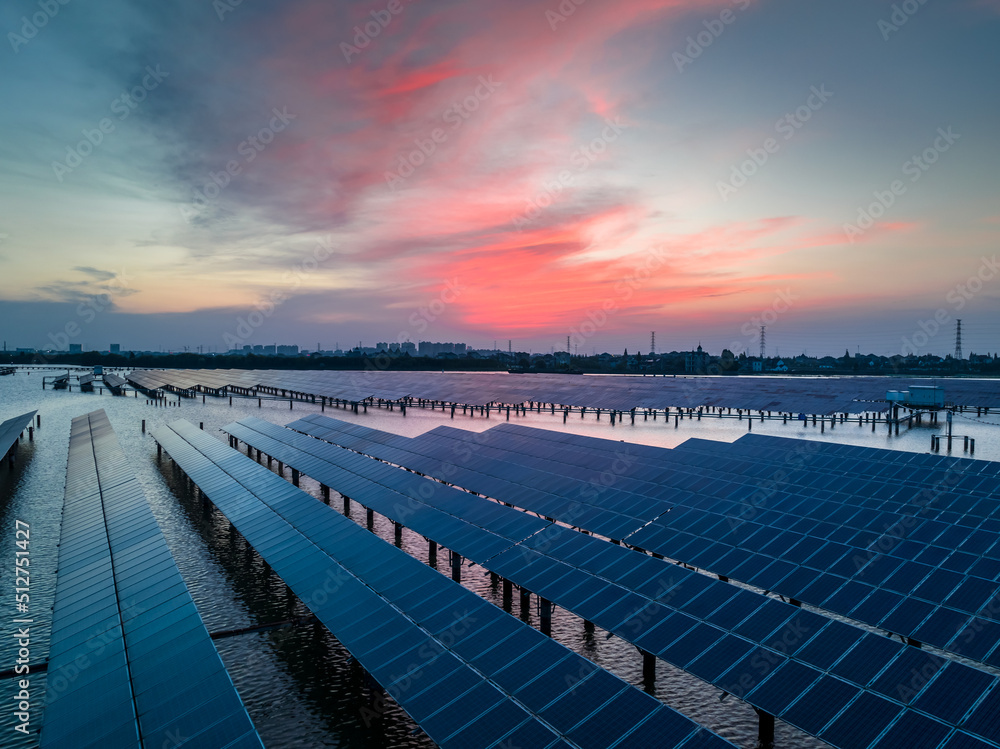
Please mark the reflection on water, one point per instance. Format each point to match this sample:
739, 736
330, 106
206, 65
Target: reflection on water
300, 686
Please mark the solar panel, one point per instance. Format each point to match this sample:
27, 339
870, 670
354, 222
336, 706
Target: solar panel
795, 564
759, 635
130, 659
257, 501
10, 431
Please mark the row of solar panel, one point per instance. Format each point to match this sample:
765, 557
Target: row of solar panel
590, 509
830, 520
621, 394
10, 430
927, 539
451, 714
131, 662
934, 539
841, 577
396, 503
734, 636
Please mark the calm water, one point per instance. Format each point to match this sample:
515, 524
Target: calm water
299, 684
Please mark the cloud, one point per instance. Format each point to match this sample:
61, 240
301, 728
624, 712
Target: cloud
102, 287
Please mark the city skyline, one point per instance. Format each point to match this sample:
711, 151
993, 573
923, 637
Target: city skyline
228, 175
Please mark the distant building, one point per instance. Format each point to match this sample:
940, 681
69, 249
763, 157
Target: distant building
116, 348
426, 348
285, 350
696, 361
267, 350
76, 348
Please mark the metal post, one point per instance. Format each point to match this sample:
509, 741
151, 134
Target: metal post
545, 614
399, 533
295, 477
648, 667
765, 729
456, 566
371, 518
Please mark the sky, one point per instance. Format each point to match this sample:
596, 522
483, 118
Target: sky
213, 174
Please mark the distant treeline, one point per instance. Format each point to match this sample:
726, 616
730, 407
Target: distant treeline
204, 361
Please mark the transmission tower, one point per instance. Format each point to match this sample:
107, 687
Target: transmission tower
652, 343
763, 348
958, 340
568, 349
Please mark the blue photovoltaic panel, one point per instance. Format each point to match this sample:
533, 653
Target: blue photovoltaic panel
10, 430
531, 488
707, 530
413, 607
580, 573
131, 663
394, 493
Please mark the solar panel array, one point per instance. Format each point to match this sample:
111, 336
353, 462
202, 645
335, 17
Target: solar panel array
131, 663
839, 550
399, 495
113, 381
728, 636
468, 673
827, 395
572, 501
10, 430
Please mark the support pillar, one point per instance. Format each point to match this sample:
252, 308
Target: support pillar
371, 518
295, 477
456, 566
648, 667
765, 729
432, 553
399, 533
545, 614
325, 491
347, 503
508, 594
